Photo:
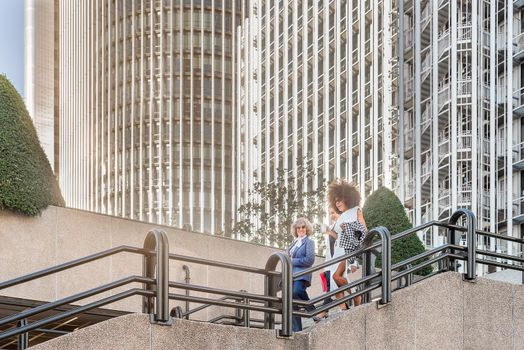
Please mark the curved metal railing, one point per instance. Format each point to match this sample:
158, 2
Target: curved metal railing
156, 285
155, 273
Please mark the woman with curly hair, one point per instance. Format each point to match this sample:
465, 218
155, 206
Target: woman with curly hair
302, 254
345, 199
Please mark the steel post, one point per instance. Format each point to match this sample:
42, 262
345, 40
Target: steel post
157, 240
286, 284
471, 240
23, 338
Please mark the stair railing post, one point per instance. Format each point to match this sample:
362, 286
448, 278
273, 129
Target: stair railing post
245, 318
159, 310
471, 240
452, 239
272, 286
385, 242
23, 338
366, 271
385, 239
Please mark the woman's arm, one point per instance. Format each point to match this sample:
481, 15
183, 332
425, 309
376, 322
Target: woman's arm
307, 259
360, 218
332, 234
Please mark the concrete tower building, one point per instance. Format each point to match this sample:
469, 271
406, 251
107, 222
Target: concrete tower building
146, 118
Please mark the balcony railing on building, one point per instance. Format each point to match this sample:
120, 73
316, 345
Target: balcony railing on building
443, 41
444, 202
426, 168
409, 87
444, 89
426, 66
464, 140
518, 156
408, 139
426, 15
464, 32
518, 48
464, 195
518, 102
443, 147
425, 118
408, 39
443, 92
410, 188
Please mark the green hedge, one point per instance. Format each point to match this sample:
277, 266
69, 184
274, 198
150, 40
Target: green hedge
383, 208
27, 182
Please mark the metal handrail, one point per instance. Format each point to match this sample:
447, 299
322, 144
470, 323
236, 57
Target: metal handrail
218, 302
73, 298
76, 311
271, 287
157, 240
215, 263
156, 284
205, 306
377, 274
70, 264
155, 281
225, 292
363, 250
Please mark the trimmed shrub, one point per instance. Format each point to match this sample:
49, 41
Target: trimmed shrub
27, 182
383, 208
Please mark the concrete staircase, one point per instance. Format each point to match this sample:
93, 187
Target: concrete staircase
443, 312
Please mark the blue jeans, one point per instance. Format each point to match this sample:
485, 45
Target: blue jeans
299, 292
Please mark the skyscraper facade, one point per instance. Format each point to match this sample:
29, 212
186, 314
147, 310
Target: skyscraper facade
41, 72
146, 113
423, 97
461, 141
316, 83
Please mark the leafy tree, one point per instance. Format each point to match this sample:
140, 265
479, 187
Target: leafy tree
383, 208
272, 208
27, 183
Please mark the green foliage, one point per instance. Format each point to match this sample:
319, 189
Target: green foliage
383, 208
27, 183
272, 208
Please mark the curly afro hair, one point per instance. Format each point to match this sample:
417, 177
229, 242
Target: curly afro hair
346, 191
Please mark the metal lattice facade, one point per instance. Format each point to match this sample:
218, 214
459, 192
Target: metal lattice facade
410, 95
316, 82
460, 145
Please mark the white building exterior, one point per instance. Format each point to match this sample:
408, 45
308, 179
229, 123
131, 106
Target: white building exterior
41, 73
315, 84
410, 95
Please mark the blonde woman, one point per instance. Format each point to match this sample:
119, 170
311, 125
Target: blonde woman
302, 254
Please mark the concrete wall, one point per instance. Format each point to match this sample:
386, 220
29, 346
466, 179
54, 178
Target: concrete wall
443, 312
61, 234
134, 332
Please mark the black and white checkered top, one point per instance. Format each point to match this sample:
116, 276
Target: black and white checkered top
353, 234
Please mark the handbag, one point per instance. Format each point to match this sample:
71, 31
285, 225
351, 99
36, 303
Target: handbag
325, 278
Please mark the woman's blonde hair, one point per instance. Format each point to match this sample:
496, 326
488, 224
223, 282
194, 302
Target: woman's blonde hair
302, 222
